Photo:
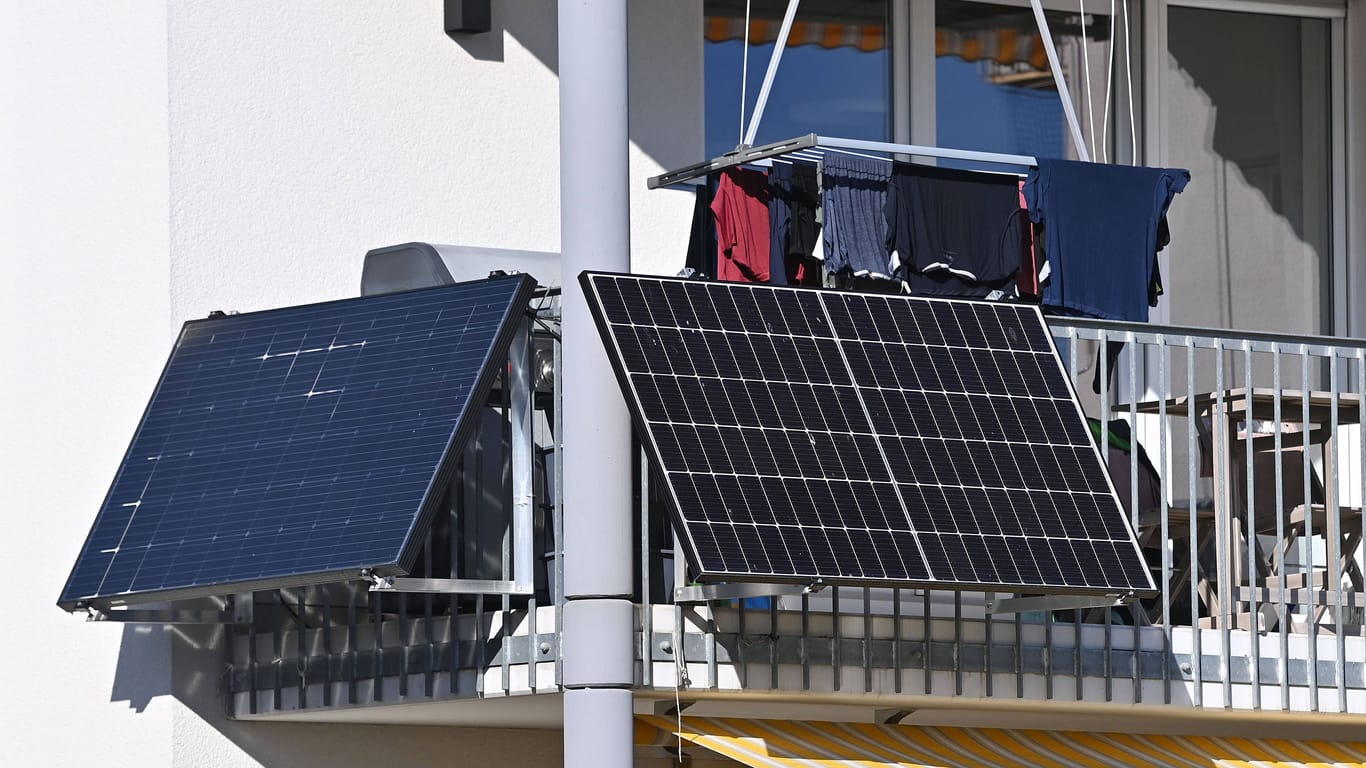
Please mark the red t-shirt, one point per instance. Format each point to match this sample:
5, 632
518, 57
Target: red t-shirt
742, 232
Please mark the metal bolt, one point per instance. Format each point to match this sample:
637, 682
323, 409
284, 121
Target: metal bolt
666, 646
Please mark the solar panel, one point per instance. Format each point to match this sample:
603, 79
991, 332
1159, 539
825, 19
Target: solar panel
814, 435
297, 445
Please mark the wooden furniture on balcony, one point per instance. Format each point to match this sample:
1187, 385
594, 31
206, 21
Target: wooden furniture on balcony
1257, 441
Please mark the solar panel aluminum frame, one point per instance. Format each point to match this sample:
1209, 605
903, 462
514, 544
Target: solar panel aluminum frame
680, 527
516, 319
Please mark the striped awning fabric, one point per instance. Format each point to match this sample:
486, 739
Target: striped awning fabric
1002, 45
789, 744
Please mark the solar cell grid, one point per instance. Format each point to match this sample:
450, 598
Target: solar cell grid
285, 445
816, 435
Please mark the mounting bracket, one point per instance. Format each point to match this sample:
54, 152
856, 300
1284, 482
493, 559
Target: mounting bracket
701, 593
162, 616
1055, 602
446, 586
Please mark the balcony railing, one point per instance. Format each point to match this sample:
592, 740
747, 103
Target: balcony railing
1249, 517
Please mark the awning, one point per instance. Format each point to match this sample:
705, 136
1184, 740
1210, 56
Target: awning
1002, 45
788, 743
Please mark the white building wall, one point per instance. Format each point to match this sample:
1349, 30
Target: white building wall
84, 323
164, 160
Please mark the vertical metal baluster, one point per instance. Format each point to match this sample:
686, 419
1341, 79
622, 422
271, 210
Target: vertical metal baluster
253, 663
989, 668
709, 648
1254, 608
647, 556
1307, 554
803, 652
457, 514
301, 649
1163, 448
328, 652
773, 643
926, 631
958, 643
377, 616
533, 642
428, 608
277, 645
1048, 656
1019, 655
896, 640
741, 657
1224, 523
557, 516
508, 492
1282, 605
1138, 615
1333, 530
404, 640
1192, 451
1103, 361
1361, 441
867, 641
836, 652
352, 644
481, 644
1076, 654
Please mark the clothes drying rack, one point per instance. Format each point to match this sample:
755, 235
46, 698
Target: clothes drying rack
812, 142
747, 154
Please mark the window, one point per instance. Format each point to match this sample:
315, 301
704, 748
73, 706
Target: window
835, 77
994, 89
1247, 109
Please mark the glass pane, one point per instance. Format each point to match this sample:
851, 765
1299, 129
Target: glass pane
1247, 105
994, 89
834, 78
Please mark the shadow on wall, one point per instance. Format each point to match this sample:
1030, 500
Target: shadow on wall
665, 56
209, 738
142, 673
1266, 79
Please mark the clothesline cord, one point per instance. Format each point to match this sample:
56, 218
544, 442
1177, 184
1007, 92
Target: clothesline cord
744, 75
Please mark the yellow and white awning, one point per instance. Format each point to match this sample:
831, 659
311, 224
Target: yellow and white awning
1003, 45
793, 744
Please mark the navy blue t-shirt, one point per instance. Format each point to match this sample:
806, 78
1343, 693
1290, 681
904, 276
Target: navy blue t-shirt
1100, 228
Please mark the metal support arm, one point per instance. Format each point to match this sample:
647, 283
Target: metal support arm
1055, 602
701, 593
447, 586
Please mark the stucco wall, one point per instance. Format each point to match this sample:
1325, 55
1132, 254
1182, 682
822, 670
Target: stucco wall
164, 160
84, 324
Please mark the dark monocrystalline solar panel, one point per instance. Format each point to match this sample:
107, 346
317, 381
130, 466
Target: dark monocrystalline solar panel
809, 435
285, 446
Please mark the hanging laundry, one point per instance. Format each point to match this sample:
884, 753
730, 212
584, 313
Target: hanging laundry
742, 228
794, 196
1027, 285
954, 232
1100, 233
701, 258
855, 196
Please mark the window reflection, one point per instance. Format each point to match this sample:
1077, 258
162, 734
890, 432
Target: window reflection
834, 79
994, 88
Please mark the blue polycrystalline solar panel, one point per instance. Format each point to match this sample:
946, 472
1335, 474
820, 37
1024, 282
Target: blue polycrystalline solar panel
816, 435
290, 446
